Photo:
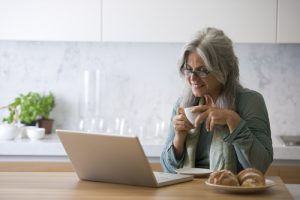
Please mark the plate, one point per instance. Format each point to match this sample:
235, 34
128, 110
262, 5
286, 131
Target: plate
240, 189
196, 172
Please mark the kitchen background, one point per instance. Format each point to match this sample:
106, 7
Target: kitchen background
139, 82
112, 66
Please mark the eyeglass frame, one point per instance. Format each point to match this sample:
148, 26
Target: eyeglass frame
202, 72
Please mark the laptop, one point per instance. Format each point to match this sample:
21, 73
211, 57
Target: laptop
113, 159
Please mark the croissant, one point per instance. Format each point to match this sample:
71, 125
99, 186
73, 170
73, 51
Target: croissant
223, 177
251, 177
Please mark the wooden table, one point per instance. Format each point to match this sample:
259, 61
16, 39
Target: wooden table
66, 185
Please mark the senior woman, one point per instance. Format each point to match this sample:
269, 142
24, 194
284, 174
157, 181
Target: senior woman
231, 130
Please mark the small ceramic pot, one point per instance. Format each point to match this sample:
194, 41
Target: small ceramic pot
9, 131
35, 133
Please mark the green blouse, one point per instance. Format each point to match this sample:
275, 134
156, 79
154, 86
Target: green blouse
251, 139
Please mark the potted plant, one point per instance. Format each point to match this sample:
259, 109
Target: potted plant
10, 129
32, 108
46, 105
25, 108
13, 113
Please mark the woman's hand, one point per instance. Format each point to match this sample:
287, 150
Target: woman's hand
215, 116
182, 126
180, 123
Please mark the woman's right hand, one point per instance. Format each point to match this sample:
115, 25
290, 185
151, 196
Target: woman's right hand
180, 123
181, 126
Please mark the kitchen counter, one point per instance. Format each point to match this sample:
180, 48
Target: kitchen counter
283, 154
50, 149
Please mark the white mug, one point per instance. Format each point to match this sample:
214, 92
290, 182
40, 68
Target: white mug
190, 115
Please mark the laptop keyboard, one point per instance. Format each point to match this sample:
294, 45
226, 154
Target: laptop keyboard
161, 176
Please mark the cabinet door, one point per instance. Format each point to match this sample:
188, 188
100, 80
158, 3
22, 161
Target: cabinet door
54, 20
177, 21
288, 21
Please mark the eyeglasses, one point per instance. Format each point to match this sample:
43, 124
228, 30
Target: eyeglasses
202, 72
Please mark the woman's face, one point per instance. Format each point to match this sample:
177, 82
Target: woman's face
201, 85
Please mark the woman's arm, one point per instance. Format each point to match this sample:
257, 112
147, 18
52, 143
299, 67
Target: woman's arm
170, 158
252, 136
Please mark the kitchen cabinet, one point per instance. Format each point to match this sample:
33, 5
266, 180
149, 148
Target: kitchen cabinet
289, 174
288, 30
176, 21
48, 154
247, 21
50, 20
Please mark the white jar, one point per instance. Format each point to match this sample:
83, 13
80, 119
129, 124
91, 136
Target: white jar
35, 133
9, 131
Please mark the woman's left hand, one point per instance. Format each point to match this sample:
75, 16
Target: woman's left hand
215, 116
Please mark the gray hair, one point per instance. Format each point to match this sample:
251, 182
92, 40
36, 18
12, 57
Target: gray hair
216, 50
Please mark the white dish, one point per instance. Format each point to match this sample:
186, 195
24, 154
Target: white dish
240, 189
35, 133
196, 172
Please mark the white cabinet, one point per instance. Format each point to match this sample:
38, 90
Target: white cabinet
176, 21
244, 21
52, 20
288, 30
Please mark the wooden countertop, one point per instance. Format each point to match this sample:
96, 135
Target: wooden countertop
66, 185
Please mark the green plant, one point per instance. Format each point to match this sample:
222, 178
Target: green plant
47, 104
13, 112
30, 107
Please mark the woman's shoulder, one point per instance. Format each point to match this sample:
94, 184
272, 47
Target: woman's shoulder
246, 93
251, 99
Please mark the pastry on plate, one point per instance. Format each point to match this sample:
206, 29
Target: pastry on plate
251, 177
223, 177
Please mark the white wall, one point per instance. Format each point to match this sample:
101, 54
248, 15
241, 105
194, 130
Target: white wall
142, 81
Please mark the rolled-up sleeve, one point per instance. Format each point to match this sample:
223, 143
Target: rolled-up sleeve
252, 137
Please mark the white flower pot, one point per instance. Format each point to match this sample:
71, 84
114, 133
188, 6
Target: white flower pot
9, 131
35, 133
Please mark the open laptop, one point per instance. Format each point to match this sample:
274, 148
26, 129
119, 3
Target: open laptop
113, 159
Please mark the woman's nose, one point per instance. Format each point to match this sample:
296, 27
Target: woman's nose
194, 77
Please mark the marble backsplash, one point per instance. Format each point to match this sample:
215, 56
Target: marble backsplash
140, 81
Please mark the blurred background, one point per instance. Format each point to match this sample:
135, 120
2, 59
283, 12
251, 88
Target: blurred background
132, 87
